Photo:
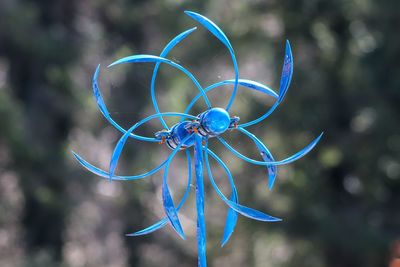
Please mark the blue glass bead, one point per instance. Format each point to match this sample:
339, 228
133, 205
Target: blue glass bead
215, 121
180, 132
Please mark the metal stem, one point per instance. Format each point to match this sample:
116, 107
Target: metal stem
201, 225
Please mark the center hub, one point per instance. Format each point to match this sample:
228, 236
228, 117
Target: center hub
210, 123
215, 121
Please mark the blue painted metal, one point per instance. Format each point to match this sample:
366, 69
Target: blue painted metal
215, 121
201, 223
193, 132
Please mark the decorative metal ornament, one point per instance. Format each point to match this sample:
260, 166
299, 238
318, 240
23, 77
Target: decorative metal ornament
194, 132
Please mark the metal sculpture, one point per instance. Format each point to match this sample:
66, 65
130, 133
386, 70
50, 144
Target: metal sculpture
194, 132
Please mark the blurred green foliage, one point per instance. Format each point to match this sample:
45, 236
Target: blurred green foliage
340, 204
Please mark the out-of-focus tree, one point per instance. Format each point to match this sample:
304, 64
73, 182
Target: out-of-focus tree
339, 204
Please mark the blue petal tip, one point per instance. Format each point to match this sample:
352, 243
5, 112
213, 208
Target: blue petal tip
224, 243
182, 235
114, 63
193, 15
288, 46
131, 235
270, 186
96, 75
75, 154
319, 137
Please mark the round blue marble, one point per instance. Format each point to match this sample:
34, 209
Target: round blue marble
181, 133
215, 121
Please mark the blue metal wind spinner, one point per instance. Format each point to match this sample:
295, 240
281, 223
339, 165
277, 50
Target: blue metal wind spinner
194, 131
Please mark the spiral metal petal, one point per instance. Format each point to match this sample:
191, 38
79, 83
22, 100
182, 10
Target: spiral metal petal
231, 217
176, 40
265, 154
286, 77
156, 59
169, 206
168, 203
245, 211
217, 32
161, 223
248, 84
103, 109
121, 144
288, 160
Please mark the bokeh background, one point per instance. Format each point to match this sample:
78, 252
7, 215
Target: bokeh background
340, 203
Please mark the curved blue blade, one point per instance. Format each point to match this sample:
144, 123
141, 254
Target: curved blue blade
249, 84
164, 53
121, 143
286, 77
245, 211
97, 95
232, 215
266, 155
139, 59
156, 59
165, 220
168, 203
287, 72
290, 159
211, 26
106, 174
217, 32
158, 225
302, 152
251, 213
117, 152
103, 108
272, 170
256, 86
169, 207
230, 221
201, 225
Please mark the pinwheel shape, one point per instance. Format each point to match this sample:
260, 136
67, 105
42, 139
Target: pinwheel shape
193, 131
